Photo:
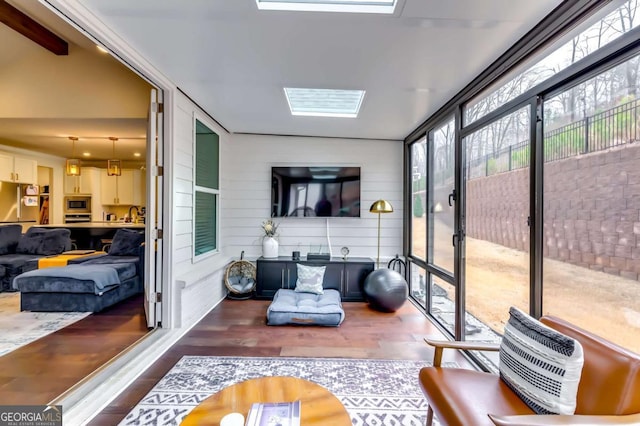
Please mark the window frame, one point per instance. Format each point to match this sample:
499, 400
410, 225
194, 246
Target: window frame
550, 48
610, 55
197, 257
410, 247
383, 7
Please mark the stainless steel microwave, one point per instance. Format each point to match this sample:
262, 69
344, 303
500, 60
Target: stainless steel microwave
77, 204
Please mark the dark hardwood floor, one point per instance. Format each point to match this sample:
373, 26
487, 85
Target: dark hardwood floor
42, 370
237, 328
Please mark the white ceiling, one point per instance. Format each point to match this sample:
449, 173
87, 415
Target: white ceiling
234, 60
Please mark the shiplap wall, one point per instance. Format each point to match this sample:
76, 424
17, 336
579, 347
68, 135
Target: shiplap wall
246, 194
198, 286
245, 175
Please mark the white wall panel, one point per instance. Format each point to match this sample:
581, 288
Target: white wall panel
183, 158
245, 173
196, 299
199, 285
182, 199
182, 171
183, 213
182, 186
182, 240
182, 256
247, 193
182, 228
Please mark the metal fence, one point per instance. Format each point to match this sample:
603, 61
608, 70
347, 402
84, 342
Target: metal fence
616, 126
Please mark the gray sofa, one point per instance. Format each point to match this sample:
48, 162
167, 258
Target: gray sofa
19, 252
87, 284
127, 247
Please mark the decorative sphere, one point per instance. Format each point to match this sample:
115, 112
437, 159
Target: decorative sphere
386, 290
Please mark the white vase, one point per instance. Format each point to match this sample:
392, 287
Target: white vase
269, 248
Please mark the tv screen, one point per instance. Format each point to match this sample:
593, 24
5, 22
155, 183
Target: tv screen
315, 191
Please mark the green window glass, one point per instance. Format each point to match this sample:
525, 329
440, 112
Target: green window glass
206, 163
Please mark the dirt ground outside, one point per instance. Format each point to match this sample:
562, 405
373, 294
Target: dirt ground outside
497, 277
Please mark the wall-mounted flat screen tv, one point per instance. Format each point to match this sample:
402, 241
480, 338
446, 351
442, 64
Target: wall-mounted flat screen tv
315, 191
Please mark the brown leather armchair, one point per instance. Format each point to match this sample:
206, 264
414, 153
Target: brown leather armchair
608, 393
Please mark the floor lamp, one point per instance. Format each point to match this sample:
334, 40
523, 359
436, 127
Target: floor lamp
380, 206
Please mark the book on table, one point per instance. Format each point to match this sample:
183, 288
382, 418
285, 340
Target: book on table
274, 414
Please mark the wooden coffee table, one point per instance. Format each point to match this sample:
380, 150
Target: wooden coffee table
318, 405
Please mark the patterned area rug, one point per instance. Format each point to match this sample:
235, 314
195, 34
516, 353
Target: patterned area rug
20, 328
374, 392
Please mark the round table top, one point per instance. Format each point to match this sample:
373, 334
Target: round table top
318, 406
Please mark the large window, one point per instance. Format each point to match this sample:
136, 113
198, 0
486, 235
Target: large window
441, 196
418, 199
206, 190
440, 223
496, 204
603, 28
592, 205
546, 210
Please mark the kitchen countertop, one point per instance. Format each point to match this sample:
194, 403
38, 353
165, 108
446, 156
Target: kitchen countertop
18, 223
89, 225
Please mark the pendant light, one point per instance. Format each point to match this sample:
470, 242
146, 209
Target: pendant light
114, 166
73, 164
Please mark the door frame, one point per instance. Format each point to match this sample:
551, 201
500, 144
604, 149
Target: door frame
78, 16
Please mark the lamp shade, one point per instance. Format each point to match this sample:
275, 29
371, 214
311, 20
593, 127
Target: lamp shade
381, 206
114, 166
73, 167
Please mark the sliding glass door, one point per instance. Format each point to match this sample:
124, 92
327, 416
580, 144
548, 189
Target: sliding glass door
544, 162
496, 223
418, 240
440, 223
591, 249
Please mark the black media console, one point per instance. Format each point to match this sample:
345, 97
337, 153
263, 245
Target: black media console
346, 276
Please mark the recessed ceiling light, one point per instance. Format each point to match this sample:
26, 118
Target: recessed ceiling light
136, 154
86, 154
351, 6
102, 49
324, 102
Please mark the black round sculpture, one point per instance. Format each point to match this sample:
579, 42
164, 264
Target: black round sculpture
386, 290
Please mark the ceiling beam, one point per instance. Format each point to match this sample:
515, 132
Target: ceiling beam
15, 19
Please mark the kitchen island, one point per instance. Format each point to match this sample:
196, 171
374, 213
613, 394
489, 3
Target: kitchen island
88, 235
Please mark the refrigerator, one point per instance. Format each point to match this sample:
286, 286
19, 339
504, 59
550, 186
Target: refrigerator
18, 202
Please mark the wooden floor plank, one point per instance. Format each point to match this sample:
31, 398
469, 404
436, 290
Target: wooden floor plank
42, 370
238, 328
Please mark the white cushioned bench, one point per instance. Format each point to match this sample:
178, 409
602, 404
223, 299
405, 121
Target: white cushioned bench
291, 307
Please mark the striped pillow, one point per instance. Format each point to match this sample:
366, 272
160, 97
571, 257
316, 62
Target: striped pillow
540, 365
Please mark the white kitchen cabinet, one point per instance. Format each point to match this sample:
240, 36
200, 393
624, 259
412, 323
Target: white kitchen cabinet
125, 188
26, 170
6, 168
109, 188
86, 183
71, 184
121, 190
18, 169
140, 185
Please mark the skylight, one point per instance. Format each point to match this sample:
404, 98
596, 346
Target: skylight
353, 6
324, 102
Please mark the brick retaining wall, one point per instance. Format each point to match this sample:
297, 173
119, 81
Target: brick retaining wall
591, 210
